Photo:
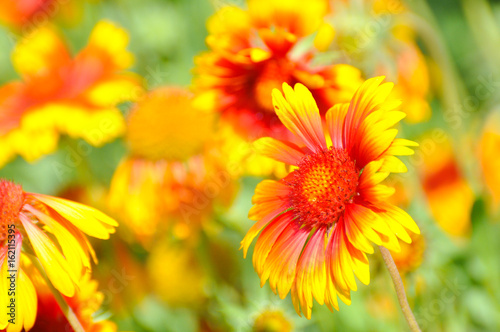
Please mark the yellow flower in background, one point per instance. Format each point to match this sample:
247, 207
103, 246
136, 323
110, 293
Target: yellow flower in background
54, 231
489, 148
319, 221
64, 95
272, 321
254, 51
23, 12
181, 282
375, 37
168, 178
85, 303
449, 195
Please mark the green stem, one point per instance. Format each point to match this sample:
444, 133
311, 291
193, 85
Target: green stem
400, 290
65, 308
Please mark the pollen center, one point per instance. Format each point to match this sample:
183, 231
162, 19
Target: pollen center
11, 202
322, 186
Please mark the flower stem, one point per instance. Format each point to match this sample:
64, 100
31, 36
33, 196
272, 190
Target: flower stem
400, 289
65, 308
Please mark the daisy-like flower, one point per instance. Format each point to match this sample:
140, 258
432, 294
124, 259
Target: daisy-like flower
64, 95
85, 303
253, 51
52, 232
168, 178
317, 223
449, 195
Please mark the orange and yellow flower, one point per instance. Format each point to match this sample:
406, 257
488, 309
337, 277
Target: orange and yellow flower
168, 179
21, 12
64, 95
85, 303
253, 51
489, 146
317, 223
51, 231
449, 195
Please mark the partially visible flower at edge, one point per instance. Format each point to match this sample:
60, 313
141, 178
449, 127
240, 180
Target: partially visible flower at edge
64, 95
34, 226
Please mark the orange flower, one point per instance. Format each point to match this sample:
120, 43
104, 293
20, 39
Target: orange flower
22, 12
449, 195
489, 147
54, 229
254, 51
317, 223
411, 255
169, 178
60, 94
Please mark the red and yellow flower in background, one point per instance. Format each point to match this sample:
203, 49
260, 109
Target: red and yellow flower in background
21, 12
169, 178
489, 148
375, 36
54, 230
85, 303
64, 95
317, 222
254, 51
449, 195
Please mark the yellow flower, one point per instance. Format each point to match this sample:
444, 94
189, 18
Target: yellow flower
169, 177
272, 321
64, 95
54, 231
181, 282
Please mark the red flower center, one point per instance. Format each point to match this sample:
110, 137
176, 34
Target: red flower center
11, 202
322, 185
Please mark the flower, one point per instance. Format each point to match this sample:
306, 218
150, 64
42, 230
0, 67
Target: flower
375, 36
489, 146
253, 51
317, 222
272, 320
52, 231
449, 195
168, 178
64, 95
411, 255
20, 13
185, 287
85, 303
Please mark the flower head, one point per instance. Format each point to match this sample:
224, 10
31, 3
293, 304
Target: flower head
20, 13
64, 95
449, 194
317, 223
168, 177
253, 51
54, 231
